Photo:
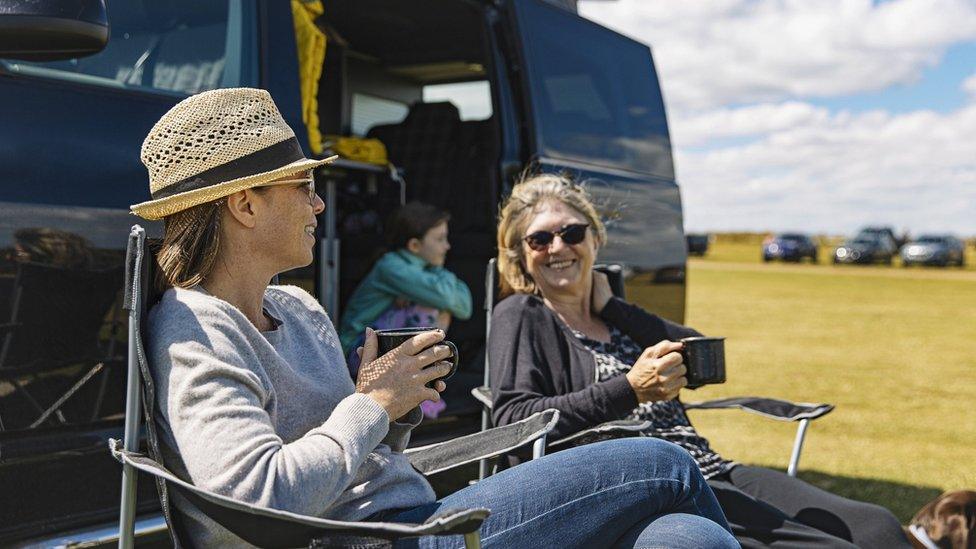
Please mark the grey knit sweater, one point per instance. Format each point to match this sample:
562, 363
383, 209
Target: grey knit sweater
272, 418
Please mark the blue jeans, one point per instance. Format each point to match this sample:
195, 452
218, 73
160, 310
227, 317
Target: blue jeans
636, 492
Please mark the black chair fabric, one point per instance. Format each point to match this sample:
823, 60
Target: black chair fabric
471, 448
265, 527
772, 408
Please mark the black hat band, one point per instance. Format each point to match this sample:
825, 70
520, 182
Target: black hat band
269, 158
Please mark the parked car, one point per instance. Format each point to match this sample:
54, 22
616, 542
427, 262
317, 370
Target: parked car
865, 248
697, 243
396, 70
936, 249
789, 247
886, 233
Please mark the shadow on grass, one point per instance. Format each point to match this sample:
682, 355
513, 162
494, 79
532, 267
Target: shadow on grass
904, 500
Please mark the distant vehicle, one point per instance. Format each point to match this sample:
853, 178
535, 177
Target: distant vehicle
934, 249
697, 243
789, 247
888, 232
866, 248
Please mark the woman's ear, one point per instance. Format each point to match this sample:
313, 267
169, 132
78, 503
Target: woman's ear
241, 207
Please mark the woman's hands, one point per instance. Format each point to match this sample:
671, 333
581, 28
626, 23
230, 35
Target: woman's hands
397, 381
601, 292
659, 373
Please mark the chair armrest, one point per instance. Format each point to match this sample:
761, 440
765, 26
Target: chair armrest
780, 410
482, 445
483, 395
8, 327
267, 527
621, 428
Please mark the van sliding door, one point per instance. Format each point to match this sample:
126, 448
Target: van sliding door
594, 95
594, 108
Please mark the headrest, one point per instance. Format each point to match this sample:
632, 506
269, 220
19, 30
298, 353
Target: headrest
444, 111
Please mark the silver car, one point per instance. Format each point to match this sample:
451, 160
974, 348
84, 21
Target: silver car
937, 249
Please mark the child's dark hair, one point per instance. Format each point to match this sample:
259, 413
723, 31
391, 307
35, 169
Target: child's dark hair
413, 220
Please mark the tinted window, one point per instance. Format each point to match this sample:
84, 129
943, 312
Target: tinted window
473, 99
594, 93
164, 46
63, 340
369, 111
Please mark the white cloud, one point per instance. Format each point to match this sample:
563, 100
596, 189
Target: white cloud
837, 172
969, 86
737, 51
751, 152
698, 128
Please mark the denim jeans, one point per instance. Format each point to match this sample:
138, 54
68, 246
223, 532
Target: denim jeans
636, 492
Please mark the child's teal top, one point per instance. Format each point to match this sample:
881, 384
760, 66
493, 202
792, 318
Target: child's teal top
402, 274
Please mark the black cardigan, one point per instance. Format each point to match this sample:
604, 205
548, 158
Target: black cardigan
537, 363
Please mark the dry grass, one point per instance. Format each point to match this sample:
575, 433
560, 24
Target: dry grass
893, 348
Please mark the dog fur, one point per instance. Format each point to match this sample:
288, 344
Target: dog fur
949, 520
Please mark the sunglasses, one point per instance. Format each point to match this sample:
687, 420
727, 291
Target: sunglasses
308, 181
570, 234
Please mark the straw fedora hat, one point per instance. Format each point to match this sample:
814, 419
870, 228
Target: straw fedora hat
214, 144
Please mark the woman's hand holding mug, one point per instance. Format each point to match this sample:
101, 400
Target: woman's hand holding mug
398, 380
659, 373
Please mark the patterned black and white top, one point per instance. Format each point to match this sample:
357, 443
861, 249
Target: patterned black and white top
668, 418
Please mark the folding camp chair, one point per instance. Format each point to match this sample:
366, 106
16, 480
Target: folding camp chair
266, 527
55, 322
780, 410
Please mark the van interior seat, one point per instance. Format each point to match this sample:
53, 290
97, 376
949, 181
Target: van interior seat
424, 145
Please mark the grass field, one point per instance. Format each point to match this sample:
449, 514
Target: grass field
894, 349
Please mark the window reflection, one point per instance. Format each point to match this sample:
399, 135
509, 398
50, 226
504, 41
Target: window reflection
61, 352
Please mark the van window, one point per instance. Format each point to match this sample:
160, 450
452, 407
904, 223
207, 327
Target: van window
369, 111
172, 47
473, 99
599, 104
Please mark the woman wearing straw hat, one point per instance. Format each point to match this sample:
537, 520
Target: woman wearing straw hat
253, 393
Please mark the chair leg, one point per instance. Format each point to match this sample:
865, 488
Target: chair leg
801, 433
539, 447
127, 509
472, 540
483, 463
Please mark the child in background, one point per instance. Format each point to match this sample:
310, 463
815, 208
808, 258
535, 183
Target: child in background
408, 286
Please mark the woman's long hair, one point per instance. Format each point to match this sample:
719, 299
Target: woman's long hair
190, 245
528, 196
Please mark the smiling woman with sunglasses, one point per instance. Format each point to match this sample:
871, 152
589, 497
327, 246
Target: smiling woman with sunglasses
563, 341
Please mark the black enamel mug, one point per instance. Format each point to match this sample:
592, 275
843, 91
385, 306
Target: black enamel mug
394, 337
705, 359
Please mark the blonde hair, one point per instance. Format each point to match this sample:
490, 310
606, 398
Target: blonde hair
527, 198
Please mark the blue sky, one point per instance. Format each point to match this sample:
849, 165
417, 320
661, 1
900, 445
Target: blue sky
817, 116
939, 88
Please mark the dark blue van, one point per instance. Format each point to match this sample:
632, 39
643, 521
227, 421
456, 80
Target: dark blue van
464, 94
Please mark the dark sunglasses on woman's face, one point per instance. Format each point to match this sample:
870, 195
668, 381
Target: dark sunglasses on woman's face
571, 234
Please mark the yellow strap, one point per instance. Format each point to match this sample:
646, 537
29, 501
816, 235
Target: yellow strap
311, 55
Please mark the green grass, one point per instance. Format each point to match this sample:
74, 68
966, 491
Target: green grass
894, 349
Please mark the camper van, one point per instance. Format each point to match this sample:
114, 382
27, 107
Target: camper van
463, 95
